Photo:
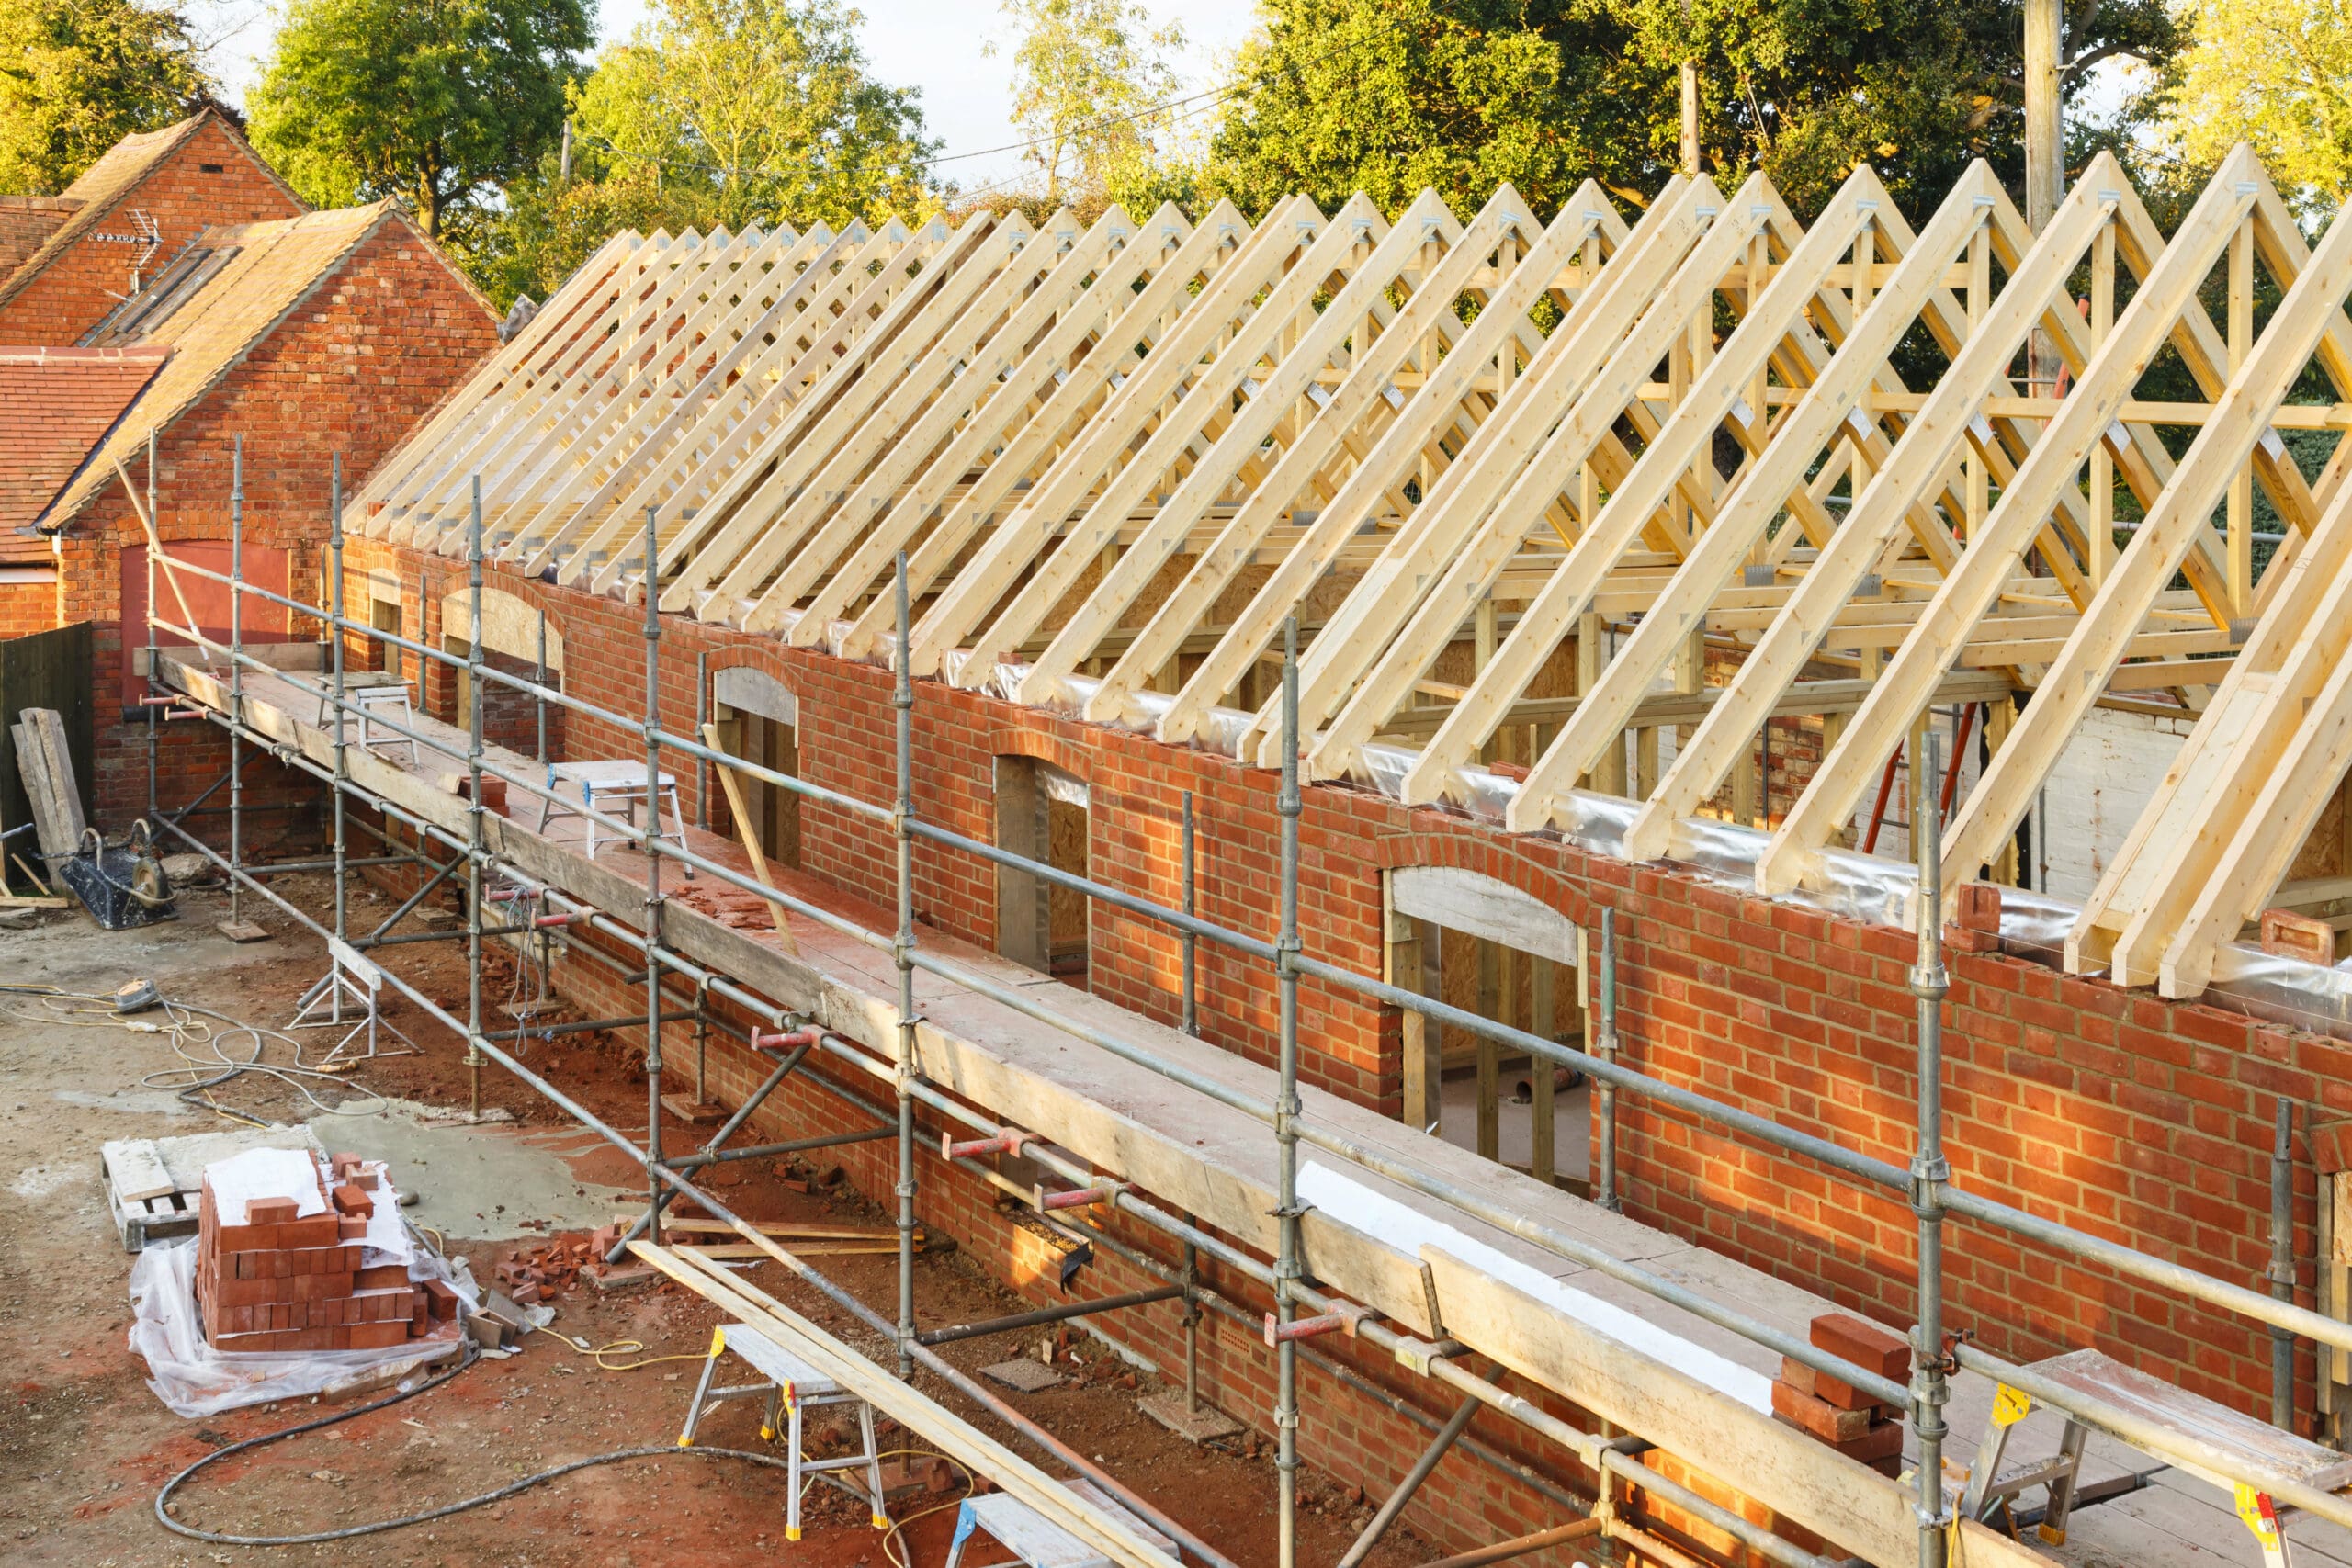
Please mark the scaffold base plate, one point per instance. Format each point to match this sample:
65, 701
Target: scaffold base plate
1203, 1426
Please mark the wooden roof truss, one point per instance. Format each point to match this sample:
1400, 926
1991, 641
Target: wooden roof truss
1533, 491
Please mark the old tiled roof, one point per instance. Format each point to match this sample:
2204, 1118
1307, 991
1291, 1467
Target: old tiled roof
270, 267
56, 404
105, 183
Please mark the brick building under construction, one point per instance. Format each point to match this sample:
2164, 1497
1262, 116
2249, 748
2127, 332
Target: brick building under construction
1382, 772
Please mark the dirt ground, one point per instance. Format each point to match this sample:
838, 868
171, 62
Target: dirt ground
84, 1445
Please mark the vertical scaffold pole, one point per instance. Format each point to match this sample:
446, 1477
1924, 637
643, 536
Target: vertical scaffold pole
902, 699
342, 761
154, 685
474, 828
539, 698
1192, 943
1929, 1172
2282, 1265
1604, 1093
1287, 1269
236, 673
651, 841
702, 764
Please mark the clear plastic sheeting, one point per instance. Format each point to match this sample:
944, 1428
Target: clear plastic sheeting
2286, 991
194, 1380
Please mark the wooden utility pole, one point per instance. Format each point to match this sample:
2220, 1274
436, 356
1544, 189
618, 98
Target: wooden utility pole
1691, 117
1689, 104
2045, 153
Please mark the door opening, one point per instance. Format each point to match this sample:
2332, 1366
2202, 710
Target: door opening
1486, 948
1041, 812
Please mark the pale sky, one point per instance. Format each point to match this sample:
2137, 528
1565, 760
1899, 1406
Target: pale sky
931, 44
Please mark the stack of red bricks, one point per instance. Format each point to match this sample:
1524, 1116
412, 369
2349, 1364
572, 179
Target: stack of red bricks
1836, 1412
272, 1279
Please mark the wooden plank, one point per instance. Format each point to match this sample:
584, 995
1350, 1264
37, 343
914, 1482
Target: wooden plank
135, 1171
1466, 901
966, 1444
2214, 464
1229, 1190
1496, 516
1825, 406
1379, 468
1841, 1499
1101, 457
991, 340
1298, 358
1040, 387
747, 833
1688, 437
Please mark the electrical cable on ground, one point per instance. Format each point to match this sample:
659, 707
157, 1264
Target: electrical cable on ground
190, 1031
164, 1497
597, 1353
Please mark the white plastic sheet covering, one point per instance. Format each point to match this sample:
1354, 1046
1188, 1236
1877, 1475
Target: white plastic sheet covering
195, 1379
1409, 1230
190, 1376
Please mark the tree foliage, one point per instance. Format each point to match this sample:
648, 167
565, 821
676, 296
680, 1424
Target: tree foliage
1086, 77
752, 108
1390, 95
440, 101
76, 76
2275, 73
716, 113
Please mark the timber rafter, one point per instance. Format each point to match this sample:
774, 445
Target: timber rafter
1537, 492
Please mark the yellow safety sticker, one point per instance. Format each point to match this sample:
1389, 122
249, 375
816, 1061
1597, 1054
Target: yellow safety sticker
2009, 1406
2260, 1516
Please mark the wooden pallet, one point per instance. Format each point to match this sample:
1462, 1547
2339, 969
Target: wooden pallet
153, 1184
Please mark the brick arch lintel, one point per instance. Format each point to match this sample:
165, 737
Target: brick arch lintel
1467, 851
1013, 741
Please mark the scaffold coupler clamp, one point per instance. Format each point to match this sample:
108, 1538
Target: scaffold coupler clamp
1929, 1177
1103, 1190
1004, 1141
1344, 1317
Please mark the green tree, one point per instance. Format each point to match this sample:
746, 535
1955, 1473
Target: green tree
2276, 75
440, 101
76, 76
748, 110
1389, 96
1086, 76
713, 113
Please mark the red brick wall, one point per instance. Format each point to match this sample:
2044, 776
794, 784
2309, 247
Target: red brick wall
356, 362
25, 224
27, 607
78, 286
2142, 1121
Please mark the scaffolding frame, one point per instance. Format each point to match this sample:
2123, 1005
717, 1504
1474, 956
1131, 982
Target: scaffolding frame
1304, 1309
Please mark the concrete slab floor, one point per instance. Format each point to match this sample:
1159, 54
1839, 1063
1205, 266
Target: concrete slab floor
479, 1182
